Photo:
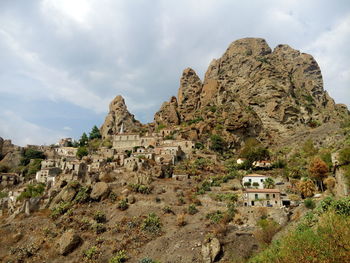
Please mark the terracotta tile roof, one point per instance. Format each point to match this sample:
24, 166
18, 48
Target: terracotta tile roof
255, 175
262, 191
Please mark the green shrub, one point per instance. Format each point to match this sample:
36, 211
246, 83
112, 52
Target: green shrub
192, 209
327, 241
151, 223
29, 154
120, 257
3, 194
99, 228
167, 210
82, 151
83, 195
226, 197
309, 203
217, 143
140, 188
196, 120
199, 145
60, 209
216, 216
32, 190
123, 205
100, 217
90, 253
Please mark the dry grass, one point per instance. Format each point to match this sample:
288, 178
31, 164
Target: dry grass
180, 220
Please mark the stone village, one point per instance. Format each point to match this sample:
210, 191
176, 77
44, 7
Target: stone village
140, 157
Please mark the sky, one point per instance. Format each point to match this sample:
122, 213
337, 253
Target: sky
63, 61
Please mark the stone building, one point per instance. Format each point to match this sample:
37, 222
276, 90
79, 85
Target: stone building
8, 179
66, 151
126, 141
48, 175
262, 197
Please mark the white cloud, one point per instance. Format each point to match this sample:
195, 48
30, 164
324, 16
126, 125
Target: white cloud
56, 84
66, 128
23, 132
331, 51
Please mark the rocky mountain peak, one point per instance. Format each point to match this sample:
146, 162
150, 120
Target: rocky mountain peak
118, 115
253, 91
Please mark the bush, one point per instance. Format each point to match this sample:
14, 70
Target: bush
60, 209
90, 253
29, 154
140, 188
83, 195
167, 210
199, 145
344, 156
3, 194
341, 206
32, 190
267, 229
100, 217
328, 241
151, 223
123, 205
192, 209
247, 184
99, 228
119, 257
309, 203
216, 216
217, 144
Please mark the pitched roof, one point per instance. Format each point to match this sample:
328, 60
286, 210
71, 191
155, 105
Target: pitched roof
262, 191
255, 175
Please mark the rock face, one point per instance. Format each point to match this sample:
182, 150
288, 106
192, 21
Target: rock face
118, 115
253, 91
68, 242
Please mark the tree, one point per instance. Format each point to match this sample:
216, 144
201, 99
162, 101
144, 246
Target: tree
95, 133
82, 151
306, 188
318, 170
253, 151
269, 183
83, 140
217, 143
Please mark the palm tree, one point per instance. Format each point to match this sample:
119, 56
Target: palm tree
269, 183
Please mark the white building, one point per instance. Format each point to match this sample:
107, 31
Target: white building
251, 180
262, 164
241, 160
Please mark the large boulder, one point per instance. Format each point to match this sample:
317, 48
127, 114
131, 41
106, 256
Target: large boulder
210, 250
69, 241
100, 191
